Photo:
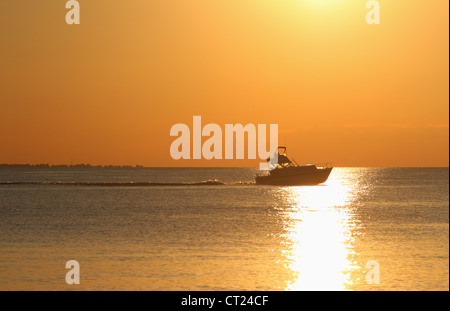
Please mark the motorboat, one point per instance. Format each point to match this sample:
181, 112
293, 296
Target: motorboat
288, 173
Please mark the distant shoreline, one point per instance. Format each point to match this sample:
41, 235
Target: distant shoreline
82, 165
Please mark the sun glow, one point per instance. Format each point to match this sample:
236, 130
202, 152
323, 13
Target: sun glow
323, 2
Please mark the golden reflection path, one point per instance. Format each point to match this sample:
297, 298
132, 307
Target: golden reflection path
321, 229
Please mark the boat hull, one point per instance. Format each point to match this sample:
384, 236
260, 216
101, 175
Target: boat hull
314, 177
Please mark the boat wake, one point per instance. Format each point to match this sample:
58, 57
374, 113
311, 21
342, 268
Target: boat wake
213, 182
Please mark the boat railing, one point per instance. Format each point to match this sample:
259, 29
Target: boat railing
324, 165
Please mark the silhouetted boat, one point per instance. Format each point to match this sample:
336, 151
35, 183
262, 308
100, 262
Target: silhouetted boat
289, 173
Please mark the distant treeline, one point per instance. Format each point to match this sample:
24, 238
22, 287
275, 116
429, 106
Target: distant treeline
70, 166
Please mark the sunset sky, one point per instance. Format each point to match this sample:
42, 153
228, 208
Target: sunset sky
107, 91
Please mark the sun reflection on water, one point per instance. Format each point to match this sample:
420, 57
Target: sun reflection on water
320, 234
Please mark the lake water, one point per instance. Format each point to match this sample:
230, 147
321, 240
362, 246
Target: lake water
233, 236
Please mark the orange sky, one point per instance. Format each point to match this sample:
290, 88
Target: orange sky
108, 91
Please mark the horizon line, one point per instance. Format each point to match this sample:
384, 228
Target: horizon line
137, 166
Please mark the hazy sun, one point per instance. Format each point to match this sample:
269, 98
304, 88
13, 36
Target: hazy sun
322, 2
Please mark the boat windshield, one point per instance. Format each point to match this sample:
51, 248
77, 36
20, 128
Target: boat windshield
284, 161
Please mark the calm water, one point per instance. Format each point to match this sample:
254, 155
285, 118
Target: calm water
236, 236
